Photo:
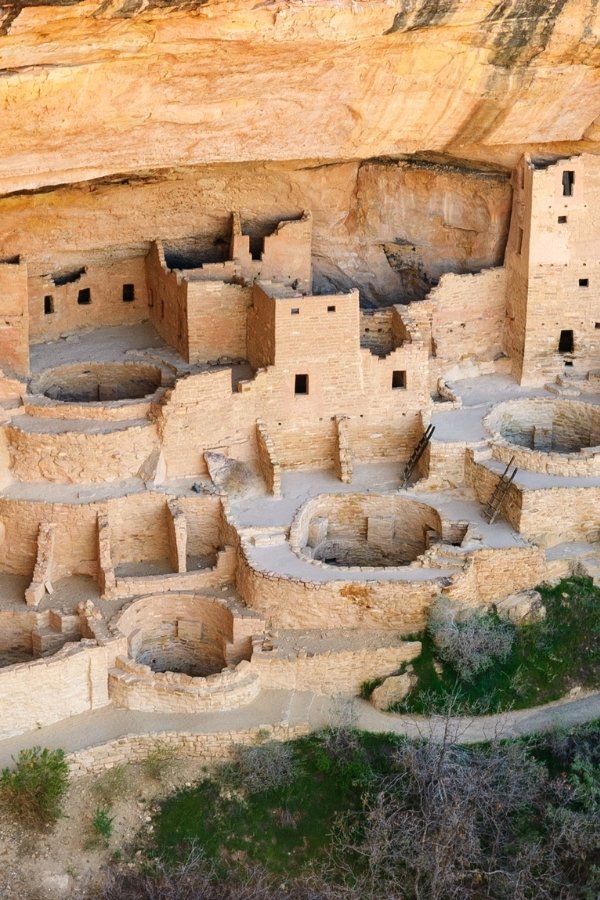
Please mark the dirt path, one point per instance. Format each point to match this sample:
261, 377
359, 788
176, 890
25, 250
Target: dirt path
289, 707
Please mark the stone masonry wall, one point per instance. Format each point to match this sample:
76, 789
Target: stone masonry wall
333, 672
106, 306
213, 747
72, 681
76, 457
216, 320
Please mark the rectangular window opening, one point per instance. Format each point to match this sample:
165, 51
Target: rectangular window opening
295, 311
562, 220
331, 309
128, 293
565, 343
597, 325
520, 241
568, 180
398, 380
584, 282
84, 297
48, 305
257, 248
301, 384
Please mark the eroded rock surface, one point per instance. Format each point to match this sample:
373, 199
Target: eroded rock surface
118, 86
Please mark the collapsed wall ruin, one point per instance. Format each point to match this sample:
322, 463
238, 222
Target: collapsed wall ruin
202, 457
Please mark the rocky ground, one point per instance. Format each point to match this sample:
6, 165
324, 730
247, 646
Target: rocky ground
67, 860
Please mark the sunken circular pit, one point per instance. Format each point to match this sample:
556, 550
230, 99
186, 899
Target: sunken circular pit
98, 382
183, 656
181, 633
364, 530
557, 437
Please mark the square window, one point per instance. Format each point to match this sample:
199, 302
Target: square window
84, 297
301, 384
584, 282
398, 380
562, 220
597, 325
295, 311
128, 293
48, 305
331, 309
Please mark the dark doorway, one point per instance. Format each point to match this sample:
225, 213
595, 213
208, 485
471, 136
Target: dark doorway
128, 293
565, 343
301, 384
568, 180
398, 380
48, 305
84, 297
257, 247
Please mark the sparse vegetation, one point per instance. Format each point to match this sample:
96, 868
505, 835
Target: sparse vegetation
543, 662
266, 767
102, 824
35, 788
387, 817
156, 762
111, 784
472, 645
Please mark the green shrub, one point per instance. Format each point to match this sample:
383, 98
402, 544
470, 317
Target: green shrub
34, 790
102, 823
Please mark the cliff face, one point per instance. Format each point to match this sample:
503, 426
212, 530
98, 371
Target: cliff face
394, 121
387, 227
93, 88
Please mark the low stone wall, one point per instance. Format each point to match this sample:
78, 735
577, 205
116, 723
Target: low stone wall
197, 580
331, 672
494, 573
293, 603
135, 686
38, 405
558, 437
211, 747
444, 465
49, 690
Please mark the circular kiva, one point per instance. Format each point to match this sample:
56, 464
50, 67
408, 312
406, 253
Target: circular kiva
374, 530
182, 633
97, 382
558, 437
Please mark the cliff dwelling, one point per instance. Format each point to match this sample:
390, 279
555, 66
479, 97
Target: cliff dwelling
205, 453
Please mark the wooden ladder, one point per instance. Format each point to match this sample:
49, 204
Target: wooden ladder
416, 456
492, 508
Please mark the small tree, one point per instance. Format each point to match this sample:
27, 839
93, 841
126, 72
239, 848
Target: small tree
34, 790
472, 645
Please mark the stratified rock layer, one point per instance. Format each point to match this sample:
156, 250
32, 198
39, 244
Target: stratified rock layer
389, 228
94, 88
